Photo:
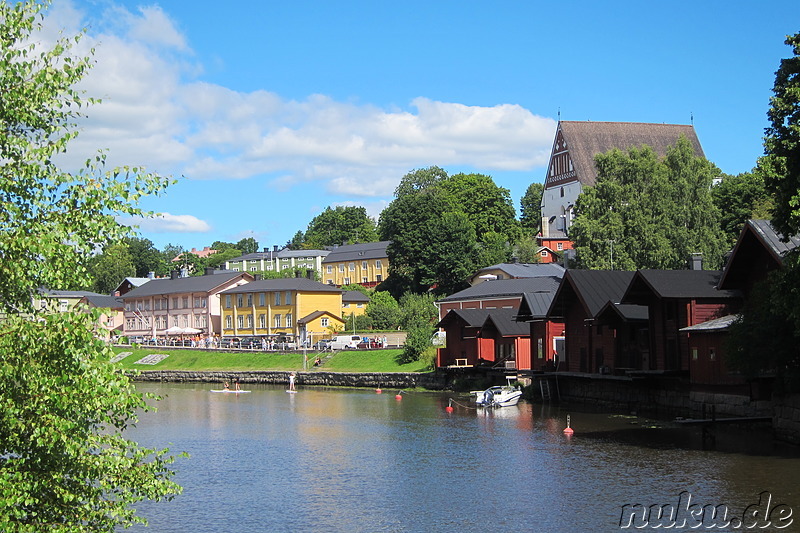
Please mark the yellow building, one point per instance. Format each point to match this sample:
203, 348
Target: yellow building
354, 303
366, 264
290, 309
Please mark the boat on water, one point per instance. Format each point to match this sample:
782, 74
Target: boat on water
498, 396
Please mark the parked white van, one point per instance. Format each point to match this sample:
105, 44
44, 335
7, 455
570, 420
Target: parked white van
345, 342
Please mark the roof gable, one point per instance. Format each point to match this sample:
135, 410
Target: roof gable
470, 317
676, 284
357, 252
505, 288
758, 242
503, 321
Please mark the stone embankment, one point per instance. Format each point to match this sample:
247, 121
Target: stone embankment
392, 380
786, 418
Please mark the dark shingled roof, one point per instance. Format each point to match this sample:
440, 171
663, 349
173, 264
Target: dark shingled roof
283, 284
472, 317
628, 312
587, 139
355, 296
206, 283
676, 284
503, 320
103, 301
593, 288
535, 305
357, 252
505, 287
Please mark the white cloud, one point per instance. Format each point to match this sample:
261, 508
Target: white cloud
168, 223
155, 111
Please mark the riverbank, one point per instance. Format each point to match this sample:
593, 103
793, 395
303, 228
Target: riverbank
389, 380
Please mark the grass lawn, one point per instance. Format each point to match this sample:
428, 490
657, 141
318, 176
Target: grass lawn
199, 360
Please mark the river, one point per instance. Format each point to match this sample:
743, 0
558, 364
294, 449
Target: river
327, 460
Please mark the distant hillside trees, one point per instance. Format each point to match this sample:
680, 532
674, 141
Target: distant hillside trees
649, 212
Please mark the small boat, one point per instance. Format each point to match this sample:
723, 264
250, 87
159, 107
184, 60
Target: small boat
498, 396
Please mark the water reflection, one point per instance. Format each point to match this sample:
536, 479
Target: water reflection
336, 460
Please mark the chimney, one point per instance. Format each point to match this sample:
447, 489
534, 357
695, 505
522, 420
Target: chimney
206, 248
696, 261
151, 275
256, 277
266, 249
310, 273
194, 250
274, 247
209, 271
173, 274
116, 293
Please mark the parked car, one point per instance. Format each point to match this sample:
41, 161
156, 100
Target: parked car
322, 345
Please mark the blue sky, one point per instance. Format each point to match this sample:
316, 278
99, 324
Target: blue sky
271, 111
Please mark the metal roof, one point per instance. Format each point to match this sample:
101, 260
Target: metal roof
472, 317
717, 324
525, 270
354, 296
694, 284
357, 252
205, 283
593, 288
283, 284
505, 287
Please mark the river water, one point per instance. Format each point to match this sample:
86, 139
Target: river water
327, 460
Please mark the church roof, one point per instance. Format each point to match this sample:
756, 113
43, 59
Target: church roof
585, 140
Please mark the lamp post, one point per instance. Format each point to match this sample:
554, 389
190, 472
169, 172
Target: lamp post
611, 243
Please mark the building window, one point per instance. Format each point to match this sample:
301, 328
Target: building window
228, 322
559, 246
378, 278
544, 253
287, 298
262, 321
364, 265
378, 264
341, 267
262, 299
289, 320
250, 321
352, 267
712, 354
364, 280
694, 354
253, 269
240, 321
278, 298
347, 281
330, 282
329, 269
227, 301
249, 300
346, 305
277, 321
323, 322
175, 303
186, 302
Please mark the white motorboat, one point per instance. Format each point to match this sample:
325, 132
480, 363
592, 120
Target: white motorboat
498, 396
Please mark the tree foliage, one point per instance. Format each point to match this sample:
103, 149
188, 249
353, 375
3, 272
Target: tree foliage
383, 310
248, 245
782, 142
740, 198
64, 464
111, 267
486, 205
531, 207
647, 212
341, 224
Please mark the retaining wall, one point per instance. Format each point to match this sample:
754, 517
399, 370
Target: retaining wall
786, 418
396, 380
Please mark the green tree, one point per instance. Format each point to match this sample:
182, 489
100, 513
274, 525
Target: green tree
383, 310
740, 198
488, 207
111, 267
418, 313
248, 245
782, 142
432, 245
146, 257
338, 225
647, 212
531, 207
493, 249
64, 464
526, 250
419, 180
297, 242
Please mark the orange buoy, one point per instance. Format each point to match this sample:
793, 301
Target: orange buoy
449, 408
398, 397
568, 430
378, 391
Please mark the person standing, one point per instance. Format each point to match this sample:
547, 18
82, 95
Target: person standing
292, 377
